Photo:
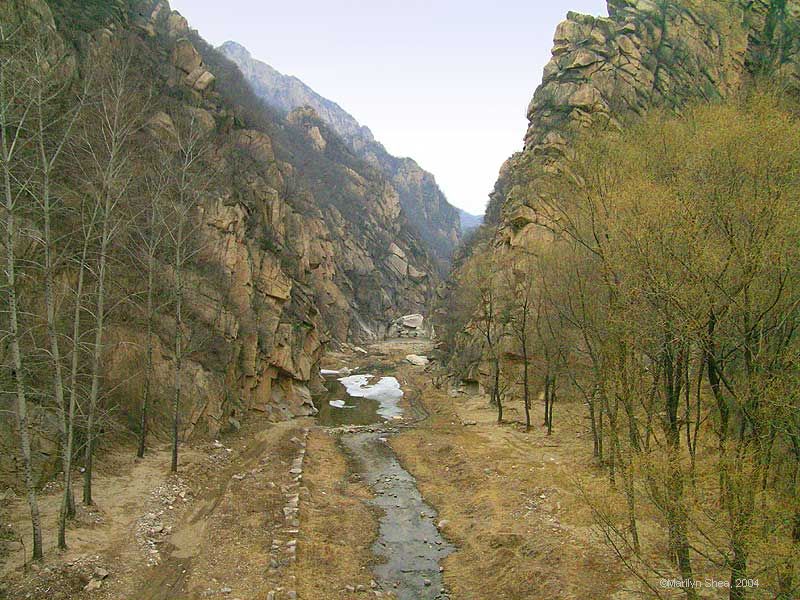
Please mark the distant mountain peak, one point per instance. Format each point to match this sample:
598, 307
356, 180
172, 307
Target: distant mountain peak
437, 221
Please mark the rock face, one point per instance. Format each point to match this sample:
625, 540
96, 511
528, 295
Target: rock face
300, 241
645, 54
425, 206
605, 72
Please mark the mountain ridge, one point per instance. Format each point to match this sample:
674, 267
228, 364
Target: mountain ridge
424, 204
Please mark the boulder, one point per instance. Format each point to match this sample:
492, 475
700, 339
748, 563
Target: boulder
200, 79
416, 360
407, 326
204, 119
176, 24
185, 56
161, 126
257, 145
414, 321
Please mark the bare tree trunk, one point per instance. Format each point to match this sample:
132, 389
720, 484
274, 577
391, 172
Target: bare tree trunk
526, 397
551, 403
595, 436
68, 511
546, 399
178, 343
97, 355
13, 317
151, 266
496, 390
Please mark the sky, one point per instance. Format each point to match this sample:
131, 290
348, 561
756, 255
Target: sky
446, 82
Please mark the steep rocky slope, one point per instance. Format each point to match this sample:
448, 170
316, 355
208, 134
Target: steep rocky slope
423, 202
299, 240
607, 71
646, 54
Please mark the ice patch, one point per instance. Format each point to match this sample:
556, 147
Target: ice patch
386, 391
338, 404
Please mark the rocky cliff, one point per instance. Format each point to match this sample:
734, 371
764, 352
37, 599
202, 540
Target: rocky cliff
645, 54
300, 241
423, 202
608, 71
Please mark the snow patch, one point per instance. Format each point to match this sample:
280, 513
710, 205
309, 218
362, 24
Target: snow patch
386, 391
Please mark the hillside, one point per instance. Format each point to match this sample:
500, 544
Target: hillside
424, 204
297, 241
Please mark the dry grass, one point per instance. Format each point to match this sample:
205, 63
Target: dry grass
511, 501
337, 527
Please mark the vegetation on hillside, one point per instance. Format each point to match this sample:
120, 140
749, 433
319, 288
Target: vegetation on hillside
661, 286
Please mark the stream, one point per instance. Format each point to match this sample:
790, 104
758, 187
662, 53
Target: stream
409, 544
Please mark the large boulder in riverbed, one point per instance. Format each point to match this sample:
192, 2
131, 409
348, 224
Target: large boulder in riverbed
417, 360
412, 321
407, 326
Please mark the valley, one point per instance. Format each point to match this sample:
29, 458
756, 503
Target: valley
248, 353
372, 501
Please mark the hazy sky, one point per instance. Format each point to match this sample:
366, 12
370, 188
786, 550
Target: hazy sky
446, 82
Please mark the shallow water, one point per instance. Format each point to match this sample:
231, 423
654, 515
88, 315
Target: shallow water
408, 539
408, 542
359, 400
350, 410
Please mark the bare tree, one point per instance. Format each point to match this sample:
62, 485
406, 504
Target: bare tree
519, 304
481, 280
189, 178
15, 120
115, 118
54, 115
151, 238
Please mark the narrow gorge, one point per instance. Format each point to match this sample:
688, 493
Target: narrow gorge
249, 353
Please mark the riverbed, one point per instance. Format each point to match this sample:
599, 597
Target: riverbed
409, 545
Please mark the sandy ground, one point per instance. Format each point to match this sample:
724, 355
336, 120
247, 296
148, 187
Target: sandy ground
508, 500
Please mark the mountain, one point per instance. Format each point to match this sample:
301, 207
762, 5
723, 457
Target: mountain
469, 221
610, 71
299, 241
424, 204
644, 55
287, 93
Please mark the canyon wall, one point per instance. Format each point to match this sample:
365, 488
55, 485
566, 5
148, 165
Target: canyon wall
435, 220
607, 71
300, 242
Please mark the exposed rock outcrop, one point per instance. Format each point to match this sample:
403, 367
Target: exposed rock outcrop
646, 54
424, 204
299, 241
607, 71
